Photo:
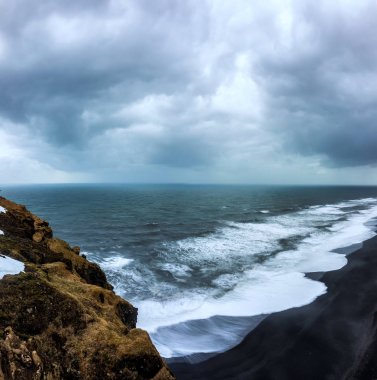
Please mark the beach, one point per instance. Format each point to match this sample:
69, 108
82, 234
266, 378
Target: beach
332, 338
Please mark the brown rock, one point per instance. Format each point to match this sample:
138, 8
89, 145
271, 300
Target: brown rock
76, 249
38, 237
60, 318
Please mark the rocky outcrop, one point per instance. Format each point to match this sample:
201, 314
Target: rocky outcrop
60, 319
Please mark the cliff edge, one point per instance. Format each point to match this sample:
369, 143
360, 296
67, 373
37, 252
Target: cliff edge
59, 317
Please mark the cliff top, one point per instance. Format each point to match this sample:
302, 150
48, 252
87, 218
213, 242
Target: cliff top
59, 317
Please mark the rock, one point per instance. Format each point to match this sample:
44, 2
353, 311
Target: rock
60, 319
36, 359
38, 236
15, 353
76, 249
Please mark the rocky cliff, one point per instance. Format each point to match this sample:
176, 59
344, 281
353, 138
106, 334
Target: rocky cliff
59, 318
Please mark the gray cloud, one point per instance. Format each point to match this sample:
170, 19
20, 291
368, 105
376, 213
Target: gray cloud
323, 92
62, 61
206, 87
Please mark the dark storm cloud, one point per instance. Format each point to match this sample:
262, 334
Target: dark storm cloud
63, 59
188, 84
322, 90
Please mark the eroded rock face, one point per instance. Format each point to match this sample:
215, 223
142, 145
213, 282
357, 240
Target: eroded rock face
60, 319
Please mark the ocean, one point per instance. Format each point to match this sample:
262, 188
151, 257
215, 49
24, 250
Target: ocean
205, 264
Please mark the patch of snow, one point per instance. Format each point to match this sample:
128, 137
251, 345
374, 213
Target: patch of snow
10, 266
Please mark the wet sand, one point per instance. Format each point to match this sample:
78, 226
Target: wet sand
333, 338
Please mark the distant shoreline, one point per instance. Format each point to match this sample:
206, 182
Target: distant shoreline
334, 337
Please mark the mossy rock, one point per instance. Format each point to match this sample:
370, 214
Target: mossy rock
60, 319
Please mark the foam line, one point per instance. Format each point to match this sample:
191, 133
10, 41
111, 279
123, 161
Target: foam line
241, 270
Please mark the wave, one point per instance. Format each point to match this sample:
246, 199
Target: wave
259, 292
276, 284
240, 270
115, 262
114, 269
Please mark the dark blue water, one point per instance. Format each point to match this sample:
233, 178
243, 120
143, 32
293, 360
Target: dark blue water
185, 253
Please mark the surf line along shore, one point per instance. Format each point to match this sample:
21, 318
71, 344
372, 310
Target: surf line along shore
333, 338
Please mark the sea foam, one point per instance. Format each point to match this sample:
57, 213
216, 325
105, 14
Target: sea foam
276, 284
239, 271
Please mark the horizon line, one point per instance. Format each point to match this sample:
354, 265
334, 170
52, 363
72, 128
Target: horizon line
183, 184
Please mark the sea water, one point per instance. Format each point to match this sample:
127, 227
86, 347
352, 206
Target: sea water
205, 264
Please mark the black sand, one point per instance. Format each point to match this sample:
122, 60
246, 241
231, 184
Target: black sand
334, 337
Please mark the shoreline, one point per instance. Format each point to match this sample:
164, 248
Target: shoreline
334, 337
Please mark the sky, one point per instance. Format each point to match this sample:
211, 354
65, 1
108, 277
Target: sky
209, 91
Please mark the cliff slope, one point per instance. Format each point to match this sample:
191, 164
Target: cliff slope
59, 318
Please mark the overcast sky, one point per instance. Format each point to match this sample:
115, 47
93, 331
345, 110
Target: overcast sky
238, 91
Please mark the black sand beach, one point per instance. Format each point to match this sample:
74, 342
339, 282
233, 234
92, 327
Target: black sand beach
333, 338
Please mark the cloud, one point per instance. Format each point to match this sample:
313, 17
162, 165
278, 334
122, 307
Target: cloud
209, 91
323, 91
